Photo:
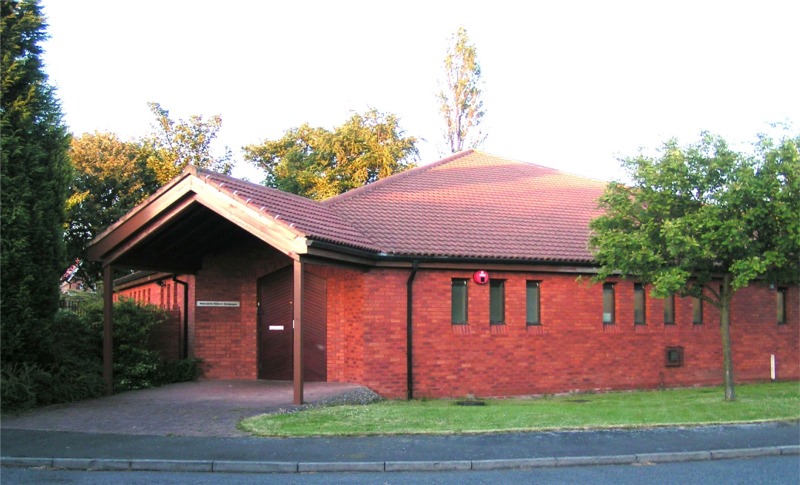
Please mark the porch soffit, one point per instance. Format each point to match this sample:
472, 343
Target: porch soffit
173, 229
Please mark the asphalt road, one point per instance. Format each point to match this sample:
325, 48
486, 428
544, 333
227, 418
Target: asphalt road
763, 471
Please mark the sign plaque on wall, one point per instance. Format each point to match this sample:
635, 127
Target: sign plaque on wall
219, 304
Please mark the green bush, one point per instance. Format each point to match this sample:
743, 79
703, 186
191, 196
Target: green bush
67, 365
19, 384
136, 366
179, 370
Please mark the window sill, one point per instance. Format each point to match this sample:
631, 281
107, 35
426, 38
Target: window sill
535, 329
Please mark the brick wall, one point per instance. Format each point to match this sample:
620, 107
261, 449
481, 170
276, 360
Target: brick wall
227, 338
573, 350
384, 318
345, 327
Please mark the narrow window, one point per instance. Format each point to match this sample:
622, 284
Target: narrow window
459, 301
497, 302
608, 303
669, 310
781, 306
638, 304
532, 299
697, 311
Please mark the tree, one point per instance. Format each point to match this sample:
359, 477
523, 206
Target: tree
110, 177
317, 163
34, 177
704, 221
460, 97
176, 144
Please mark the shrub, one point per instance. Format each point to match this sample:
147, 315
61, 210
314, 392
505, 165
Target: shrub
179, 370
19, 384
136, 366
68, 363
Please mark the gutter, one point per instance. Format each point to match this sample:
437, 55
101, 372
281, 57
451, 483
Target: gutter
410, 258
185, 347
409, 330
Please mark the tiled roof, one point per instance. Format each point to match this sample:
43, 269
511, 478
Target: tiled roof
475, 205
470, 205
306, 216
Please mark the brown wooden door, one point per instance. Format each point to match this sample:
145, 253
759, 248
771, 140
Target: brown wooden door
275, 316
276, 329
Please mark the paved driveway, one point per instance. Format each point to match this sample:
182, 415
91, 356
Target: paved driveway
203, 408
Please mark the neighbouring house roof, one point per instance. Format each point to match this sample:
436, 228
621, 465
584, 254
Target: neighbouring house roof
471, 205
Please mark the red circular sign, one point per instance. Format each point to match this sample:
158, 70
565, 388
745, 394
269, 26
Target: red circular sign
481, 277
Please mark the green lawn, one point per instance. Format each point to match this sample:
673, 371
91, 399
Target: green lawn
755, 402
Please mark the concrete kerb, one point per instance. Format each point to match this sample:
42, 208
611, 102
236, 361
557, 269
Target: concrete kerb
388, 466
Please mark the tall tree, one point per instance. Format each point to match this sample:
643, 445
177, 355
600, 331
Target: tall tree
317, 163
110, 177
179, 143
34, 177
461, 96
704, 221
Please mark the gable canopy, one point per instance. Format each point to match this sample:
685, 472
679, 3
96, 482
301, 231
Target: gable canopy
469, 206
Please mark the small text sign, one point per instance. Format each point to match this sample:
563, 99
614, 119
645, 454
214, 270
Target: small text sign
223, 304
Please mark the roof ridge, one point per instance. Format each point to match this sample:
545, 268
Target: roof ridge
364, 189
283, 193
547, 167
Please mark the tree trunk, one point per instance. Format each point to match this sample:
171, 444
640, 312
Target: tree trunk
725, 330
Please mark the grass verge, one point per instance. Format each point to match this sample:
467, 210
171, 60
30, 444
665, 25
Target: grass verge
755, 402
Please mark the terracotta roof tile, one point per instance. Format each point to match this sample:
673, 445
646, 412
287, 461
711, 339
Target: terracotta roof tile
306, 216
475, 205
470, 205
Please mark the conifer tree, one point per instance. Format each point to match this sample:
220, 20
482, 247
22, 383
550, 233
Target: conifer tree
34, 178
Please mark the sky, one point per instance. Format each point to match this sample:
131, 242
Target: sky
573, 85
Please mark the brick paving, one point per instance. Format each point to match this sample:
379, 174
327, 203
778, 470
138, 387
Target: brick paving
203, 408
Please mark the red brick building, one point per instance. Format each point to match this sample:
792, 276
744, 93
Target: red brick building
466, 276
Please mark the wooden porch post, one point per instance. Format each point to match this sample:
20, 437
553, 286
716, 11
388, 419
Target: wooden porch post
298, 332
108, 329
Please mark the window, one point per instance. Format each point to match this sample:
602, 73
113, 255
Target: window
497, 302
532, 299
697, 311
459, 301
669, 310
608, 303
638, 304
781, 299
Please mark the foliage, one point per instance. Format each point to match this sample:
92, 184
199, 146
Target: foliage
136, 365
73, 369
461, 96
176, 144
704, 220
317, 163
110, 177
758, 402
34, 176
